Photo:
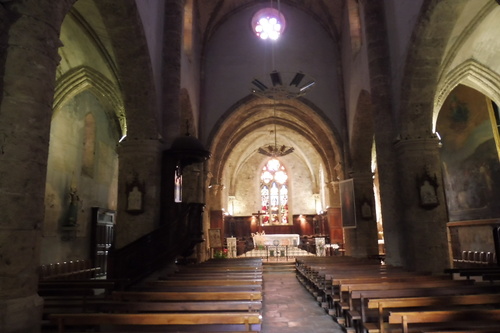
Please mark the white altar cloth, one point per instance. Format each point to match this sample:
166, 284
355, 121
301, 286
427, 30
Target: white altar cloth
277, 240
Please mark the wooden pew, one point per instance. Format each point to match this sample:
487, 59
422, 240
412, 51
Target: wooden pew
114, 306
204, 282
177, 306
187, 296
383, 305
248, 321
346, 290
360, 312
198, 288
345, 308
445, 319
215, 276
473, 272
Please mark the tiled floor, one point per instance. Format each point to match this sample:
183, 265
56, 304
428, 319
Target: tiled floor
289, 308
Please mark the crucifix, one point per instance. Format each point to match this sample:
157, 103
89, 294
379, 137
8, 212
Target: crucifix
258, 215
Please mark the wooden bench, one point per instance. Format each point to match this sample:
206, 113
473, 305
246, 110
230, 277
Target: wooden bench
199, 288
446, 319
346, 290
364, 296
114, 306
248, 321
215, 276
187, 296
382, 306
471, 272
345, 306
204, 282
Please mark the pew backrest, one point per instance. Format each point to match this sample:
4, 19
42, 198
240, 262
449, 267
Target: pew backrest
92, 319
473, 316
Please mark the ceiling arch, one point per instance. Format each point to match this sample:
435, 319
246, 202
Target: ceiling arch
212, 13
257, 122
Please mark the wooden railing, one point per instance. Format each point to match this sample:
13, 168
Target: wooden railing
151, 252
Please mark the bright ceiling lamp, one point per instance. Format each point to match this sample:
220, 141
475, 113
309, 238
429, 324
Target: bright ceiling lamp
268, 23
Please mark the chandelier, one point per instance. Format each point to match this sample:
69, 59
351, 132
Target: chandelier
282, 85
274, 149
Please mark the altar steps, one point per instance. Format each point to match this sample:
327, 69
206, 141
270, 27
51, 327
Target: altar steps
278, 267
292, 253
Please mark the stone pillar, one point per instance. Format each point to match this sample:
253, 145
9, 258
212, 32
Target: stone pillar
425, 244
29, 42
362, 241
171, 74
140, 163
334, 215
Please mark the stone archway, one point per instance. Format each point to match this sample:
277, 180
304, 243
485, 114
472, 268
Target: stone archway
254, 123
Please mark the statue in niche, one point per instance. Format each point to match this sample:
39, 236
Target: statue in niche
73, 207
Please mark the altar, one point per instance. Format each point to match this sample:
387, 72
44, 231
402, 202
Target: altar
276, 240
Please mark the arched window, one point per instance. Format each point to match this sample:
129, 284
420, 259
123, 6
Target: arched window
274, 193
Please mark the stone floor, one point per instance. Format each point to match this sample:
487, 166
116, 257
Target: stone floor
289, 308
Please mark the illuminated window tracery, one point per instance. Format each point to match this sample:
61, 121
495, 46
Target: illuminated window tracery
274, 193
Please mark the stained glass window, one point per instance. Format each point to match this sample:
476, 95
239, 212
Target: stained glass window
274, 193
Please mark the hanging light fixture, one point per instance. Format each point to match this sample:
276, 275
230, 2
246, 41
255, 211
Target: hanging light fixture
272, 87
275, 150
269, 23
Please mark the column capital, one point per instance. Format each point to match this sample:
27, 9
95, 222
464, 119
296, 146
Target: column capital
418, 144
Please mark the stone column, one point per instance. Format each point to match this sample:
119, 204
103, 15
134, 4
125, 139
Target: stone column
334, 214
425, 244
29, 42
140, 163
362, 241
174, 13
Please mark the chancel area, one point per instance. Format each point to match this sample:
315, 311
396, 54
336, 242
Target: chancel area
208, 139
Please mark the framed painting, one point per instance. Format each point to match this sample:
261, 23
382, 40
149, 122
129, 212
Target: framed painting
214, 238
347, 205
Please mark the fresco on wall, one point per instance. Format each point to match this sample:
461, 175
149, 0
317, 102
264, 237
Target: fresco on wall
469, 156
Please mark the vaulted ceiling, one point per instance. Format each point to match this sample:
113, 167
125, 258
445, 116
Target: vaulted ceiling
213, 12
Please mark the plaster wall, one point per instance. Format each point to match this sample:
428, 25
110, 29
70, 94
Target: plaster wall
300, 182
481, 44
98, 189
235, 56
80, 50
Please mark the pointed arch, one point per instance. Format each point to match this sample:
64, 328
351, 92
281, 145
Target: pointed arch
84, 78
425, 53
469, 73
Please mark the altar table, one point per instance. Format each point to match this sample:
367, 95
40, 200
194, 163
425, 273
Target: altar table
277, 240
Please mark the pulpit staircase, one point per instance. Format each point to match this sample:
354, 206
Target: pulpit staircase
153, 251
